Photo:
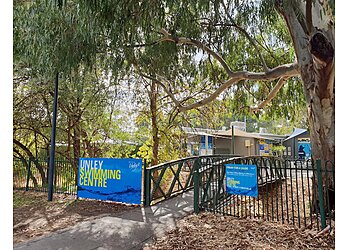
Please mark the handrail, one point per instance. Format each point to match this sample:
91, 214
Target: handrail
190, 158
167, 179
160, 165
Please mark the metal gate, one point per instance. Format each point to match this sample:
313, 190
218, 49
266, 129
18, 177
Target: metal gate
287, 191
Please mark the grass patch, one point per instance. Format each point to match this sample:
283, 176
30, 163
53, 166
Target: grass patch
20, 200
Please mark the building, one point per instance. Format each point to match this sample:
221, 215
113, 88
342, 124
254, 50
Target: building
208, 142
245, 144
299, 140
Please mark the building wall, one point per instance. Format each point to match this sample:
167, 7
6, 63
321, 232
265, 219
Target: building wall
292, 145
240, 146
197, 146
223, 146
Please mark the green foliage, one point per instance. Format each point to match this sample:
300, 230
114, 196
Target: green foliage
278, 149
50, 39
145, 151
95, 44
87, 125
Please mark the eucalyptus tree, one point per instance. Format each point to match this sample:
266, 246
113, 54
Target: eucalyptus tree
260, 46
87, 120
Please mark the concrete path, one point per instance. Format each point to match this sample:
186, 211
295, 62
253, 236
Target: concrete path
127, 230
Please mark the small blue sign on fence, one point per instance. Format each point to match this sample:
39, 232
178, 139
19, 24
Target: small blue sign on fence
110, 179
242, 180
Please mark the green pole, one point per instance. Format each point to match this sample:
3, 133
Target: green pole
196, 186
147, 187
51, 169
320, 192
233, 140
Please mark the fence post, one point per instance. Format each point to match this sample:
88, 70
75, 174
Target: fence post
196, 186
147, 181
320, 192
28, 174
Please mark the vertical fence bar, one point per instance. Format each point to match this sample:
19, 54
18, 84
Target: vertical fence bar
327, 194
281, 180
286, 163
28, 174
267, 191
320, 193
297, 189
302, 192
314, 194
196, 186
291, 190
309, 192
147, 187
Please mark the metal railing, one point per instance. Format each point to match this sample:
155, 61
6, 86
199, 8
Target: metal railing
288, 191
166, 180
31, 174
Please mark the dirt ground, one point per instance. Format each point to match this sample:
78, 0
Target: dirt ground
34, 216
208, 231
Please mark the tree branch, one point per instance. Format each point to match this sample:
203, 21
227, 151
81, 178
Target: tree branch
182, 40
141, 44
297, 32
308, 16
283, 71
271, 95
287, 70
168, 91
251, 40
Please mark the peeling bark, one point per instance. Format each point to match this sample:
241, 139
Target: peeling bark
315, 55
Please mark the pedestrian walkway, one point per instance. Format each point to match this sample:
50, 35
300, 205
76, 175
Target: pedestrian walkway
128, 230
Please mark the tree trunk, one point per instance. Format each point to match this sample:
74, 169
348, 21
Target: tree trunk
153, 107
76, 148
155, 138
24, 161
313, 41
36, 162
314, 50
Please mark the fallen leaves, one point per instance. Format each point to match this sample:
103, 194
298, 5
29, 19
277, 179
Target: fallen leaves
209, 231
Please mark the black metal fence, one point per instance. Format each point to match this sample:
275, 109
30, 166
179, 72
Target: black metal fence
288, 191
32, 174
168, 179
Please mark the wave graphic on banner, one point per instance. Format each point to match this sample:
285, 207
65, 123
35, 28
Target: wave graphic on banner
130, 195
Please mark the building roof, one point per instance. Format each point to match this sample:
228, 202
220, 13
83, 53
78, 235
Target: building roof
198, 133
270, 136
239, 133
296, 132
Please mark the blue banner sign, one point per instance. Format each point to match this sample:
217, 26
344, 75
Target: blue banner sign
110, 179
242, 179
